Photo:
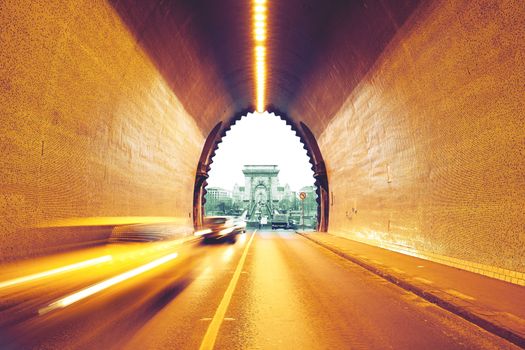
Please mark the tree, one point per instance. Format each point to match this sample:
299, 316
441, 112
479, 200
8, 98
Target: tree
285, 204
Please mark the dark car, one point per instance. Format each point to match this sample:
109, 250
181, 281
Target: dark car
220, 228
279, 221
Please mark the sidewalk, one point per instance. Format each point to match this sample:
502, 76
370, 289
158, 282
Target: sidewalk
494, 305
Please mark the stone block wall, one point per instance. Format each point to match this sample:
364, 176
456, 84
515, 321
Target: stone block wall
427, 154
89, 128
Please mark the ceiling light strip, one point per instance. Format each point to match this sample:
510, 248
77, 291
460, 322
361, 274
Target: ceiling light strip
259, 30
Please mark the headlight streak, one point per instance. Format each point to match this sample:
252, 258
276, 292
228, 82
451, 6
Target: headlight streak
226, 231
259, 24
228, 254
59, 270
202, 232
96, 288
242, 239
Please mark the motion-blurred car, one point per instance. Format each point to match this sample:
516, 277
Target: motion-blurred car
149, 232
240, 224
221, 228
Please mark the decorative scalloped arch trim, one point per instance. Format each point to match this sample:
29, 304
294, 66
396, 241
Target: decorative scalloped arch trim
306, 137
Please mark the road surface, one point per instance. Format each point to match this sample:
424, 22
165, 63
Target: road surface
270, 290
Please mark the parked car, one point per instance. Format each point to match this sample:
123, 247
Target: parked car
220, 228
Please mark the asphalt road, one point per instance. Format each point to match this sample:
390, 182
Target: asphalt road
271, 290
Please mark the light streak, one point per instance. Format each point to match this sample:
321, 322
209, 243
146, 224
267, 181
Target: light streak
111, 221
242, 238
202, 232
259, 23
228, 254
96, 288
56, 271
226, 231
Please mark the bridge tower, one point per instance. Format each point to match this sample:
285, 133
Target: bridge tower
261, 182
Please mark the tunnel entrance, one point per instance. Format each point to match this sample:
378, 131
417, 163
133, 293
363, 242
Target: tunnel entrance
269, 177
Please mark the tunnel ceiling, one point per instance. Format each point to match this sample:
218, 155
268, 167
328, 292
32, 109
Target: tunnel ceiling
318, 51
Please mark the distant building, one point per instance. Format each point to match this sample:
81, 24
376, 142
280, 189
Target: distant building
218, 193
238, 193
218, 201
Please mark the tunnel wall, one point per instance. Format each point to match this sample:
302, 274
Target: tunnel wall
427, 154
90, 129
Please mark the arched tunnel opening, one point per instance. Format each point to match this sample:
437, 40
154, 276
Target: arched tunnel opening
257, 196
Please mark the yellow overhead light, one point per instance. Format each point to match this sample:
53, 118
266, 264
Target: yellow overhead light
259, 29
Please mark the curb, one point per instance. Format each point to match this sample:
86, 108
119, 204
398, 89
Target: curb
433, 297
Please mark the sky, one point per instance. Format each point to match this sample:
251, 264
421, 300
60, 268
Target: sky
260, 138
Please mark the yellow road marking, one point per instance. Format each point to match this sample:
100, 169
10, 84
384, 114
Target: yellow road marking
208, 342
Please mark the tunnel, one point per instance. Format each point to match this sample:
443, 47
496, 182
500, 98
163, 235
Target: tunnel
411, 111
412, 114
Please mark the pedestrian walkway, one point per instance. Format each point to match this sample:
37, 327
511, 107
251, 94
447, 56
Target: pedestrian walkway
492, 304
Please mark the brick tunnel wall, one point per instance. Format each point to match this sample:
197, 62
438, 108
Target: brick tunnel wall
89, 127
427, 155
